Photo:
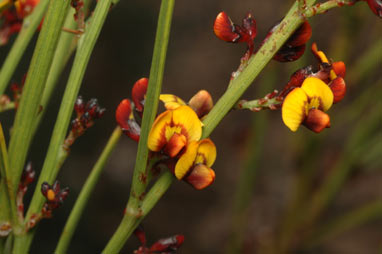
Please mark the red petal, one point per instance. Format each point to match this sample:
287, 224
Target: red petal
200, 177
339, 68
224, 28
139, 92
376, 7
338, 88
122, 114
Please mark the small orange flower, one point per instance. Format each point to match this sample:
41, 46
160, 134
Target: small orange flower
173, 130
306, 105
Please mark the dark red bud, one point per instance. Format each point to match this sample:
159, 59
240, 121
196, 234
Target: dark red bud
122, 114
338, 88
138, 93
317, 120
300, 36
79, 106
296, 80
45, 187
287, 54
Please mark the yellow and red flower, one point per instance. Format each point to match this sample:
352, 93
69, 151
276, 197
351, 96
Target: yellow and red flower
307, 105
176, 132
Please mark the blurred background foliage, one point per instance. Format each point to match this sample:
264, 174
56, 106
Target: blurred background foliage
275, 191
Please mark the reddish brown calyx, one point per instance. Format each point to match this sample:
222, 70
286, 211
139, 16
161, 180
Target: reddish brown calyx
227, 31
294, 47
55, 197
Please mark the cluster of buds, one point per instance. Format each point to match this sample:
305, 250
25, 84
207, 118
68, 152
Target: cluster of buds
85, 116
227, 31
309, 94
27, 177
12, 16
167, 245
175, 134
55, 197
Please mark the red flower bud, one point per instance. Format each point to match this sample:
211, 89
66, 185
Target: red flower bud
126, 121
201, 103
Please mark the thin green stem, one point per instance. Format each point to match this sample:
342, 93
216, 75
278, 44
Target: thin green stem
151, 102
26, 33
50, 167
129, 223
85, 193
139, 184
6, 179
34, 85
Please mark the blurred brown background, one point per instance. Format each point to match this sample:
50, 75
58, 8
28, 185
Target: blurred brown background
198, 60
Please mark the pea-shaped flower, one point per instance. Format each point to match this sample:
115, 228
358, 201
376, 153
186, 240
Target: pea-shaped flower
307, 104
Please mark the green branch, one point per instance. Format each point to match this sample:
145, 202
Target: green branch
34, 85
85, 193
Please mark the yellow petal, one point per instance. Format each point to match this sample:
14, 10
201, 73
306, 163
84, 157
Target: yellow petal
316, 88
192, 127
206, 152
157, 138
293, 108
171, 101
186, 161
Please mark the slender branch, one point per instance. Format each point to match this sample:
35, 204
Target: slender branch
85, 193
50, 167
25, 35
34, 85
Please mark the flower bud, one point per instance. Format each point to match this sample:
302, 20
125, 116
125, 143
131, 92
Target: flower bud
224, 28
201, 103
138, 93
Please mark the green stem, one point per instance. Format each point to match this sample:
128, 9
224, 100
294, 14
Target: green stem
129, 223
152, 97
34, 85
50, 167
26, 33
85, 193
345, 222
139, 185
